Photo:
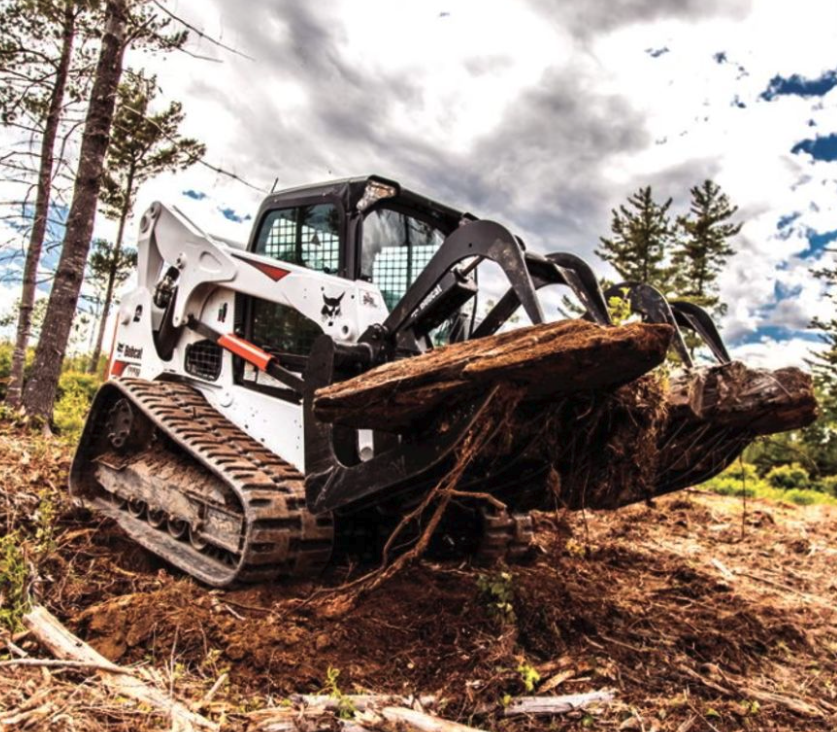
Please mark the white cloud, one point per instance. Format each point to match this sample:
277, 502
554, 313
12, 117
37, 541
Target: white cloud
542, 114
774, 354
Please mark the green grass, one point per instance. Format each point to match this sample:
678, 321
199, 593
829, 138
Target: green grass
727, 485
14, 580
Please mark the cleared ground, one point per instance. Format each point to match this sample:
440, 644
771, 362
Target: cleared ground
701, 615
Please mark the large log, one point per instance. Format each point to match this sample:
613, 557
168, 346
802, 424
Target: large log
651, 437
714, 413
552, 359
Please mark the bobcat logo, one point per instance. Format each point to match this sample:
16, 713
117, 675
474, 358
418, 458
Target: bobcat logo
331, 308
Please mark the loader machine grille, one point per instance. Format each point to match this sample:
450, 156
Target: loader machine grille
203, 359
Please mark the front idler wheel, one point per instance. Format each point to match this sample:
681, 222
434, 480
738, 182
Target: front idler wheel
120, 422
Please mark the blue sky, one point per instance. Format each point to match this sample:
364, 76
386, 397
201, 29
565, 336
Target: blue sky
541, 114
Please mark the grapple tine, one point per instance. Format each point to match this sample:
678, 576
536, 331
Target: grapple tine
697, 319
558, 268
584, 284
649, 302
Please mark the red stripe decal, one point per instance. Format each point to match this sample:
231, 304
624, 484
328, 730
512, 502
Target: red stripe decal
117, 367
275, 273
108, 370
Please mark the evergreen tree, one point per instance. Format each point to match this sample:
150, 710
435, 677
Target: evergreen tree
703, 249
41, 65
126, 23
642, 234
108, 267
824, 362
143, 144
823, 433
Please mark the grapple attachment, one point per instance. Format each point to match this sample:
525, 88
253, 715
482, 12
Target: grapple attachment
578, 401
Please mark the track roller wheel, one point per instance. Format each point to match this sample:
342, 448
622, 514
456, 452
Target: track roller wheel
137, 507
118, 501
156, 517
177, 527
196, 541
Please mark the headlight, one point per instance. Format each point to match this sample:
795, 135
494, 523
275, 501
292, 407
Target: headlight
375, 191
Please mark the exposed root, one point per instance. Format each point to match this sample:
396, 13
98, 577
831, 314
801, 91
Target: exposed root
493, 420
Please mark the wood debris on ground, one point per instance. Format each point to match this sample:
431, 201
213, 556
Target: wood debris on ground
692, 623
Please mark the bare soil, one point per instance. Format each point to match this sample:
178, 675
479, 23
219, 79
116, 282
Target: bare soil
700, 614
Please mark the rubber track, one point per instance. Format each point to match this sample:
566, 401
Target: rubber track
505, 537
281, 538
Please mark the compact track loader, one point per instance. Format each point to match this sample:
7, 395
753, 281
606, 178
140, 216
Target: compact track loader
215, 442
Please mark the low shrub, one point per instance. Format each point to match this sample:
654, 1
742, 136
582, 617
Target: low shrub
6, 350
729, 483
742, 471
801, 497
728, 486
75, 393
828, 484
788, 477
14, 581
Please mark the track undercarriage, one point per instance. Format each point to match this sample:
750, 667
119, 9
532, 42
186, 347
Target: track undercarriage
191, 487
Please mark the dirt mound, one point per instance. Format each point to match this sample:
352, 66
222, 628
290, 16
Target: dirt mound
606, 604
699, 617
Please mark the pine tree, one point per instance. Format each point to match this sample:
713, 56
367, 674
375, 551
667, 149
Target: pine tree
703, 248
642, 234
37, 53
816, 445
143, 144
823, 362
126, 23
108, 267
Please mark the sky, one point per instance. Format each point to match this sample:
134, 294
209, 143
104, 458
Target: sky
541, 114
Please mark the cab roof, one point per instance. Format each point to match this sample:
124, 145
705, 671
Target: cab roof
350, 191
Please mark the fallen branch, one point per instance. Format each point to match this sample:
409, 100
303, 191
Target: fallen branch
411, 714
55, 663
421, 721
67, 647
556, 704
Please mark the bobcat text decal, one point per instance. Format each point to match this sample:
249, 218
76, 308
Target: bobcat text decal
128, 351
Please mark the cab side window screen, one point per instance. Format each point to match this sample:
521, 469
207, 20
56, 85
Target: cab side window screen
305, 235
279, 329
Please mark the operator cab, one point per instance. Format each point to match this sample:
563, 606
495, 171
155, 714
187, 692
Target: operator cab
366, 229
360, 228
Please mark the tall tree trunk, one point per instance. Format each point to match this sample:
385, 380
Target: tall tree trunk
42, 197
39, 394
117, 251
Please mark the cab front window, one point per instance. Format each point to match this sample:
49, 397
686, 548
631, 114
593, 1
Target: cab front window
396, 247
